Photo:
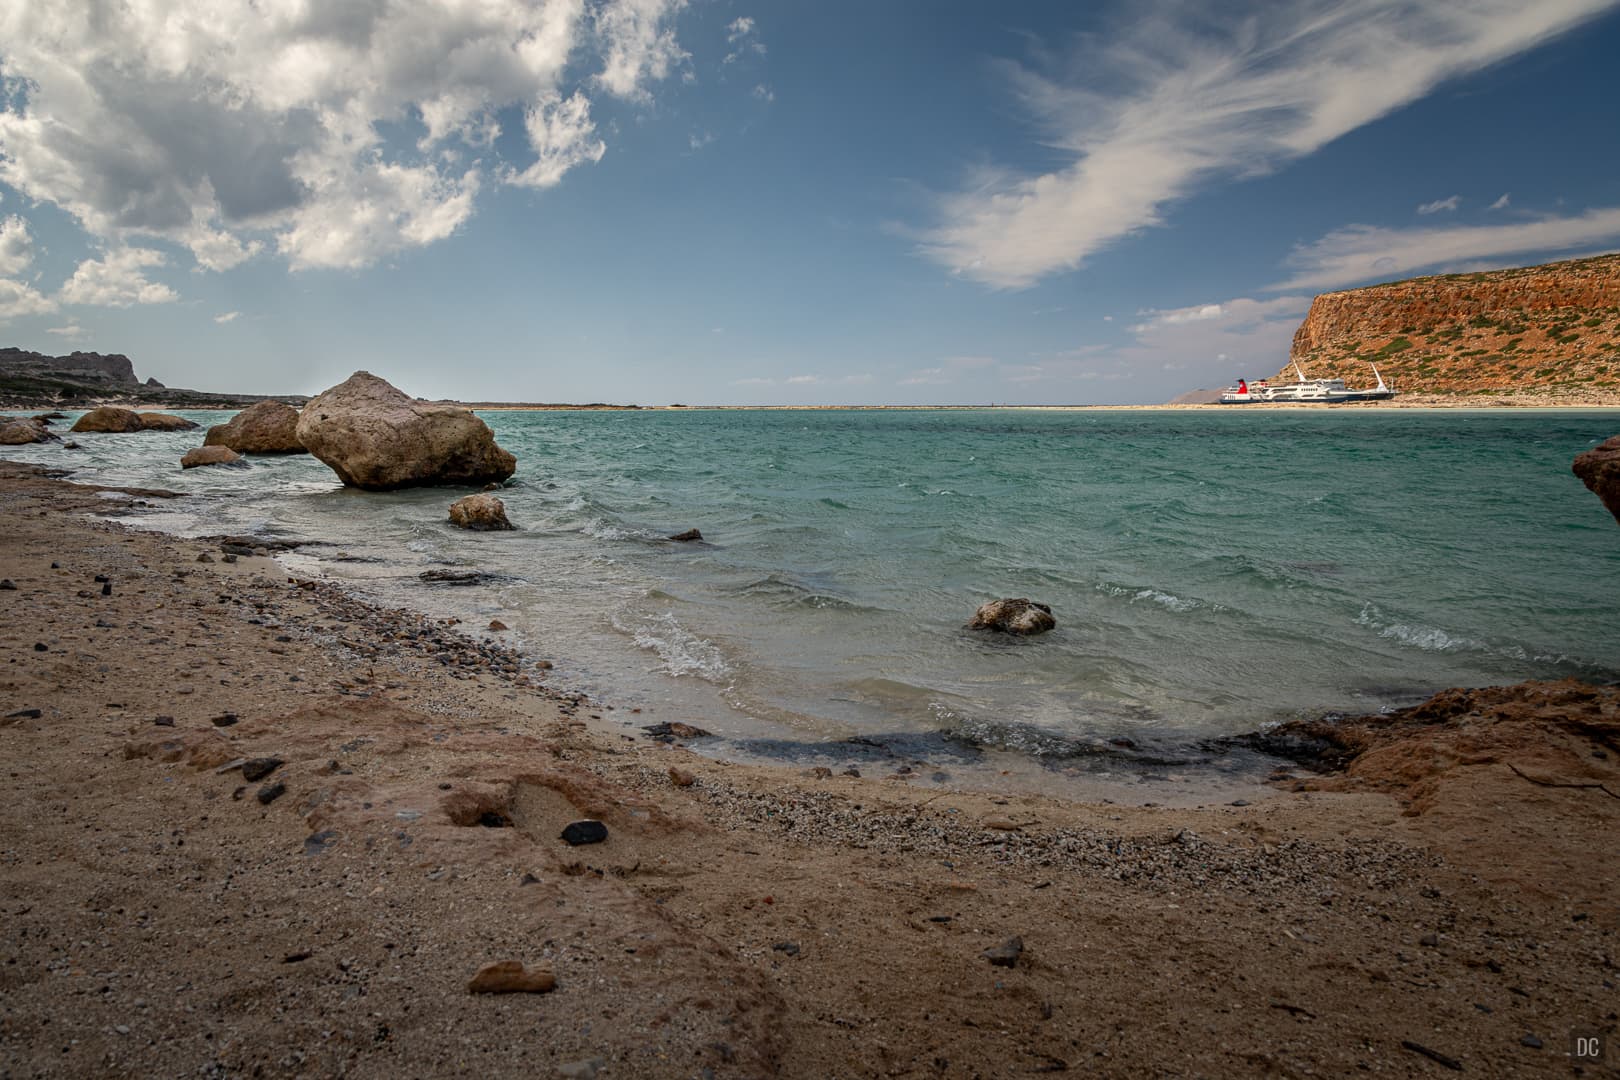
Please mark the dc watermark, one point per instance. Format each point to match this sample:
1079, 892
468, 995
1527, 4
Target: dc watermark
1586, 1046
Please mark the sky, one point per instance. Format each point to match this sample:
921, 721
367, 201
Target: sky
734, 202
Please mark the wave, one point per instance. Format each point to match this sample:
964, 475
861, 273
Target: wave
782, 591
681, 651
1170, 601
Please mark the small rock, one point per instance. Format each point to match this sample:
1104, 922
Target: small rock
529, 879
7, 584
228, 557
789, 947
511, 977
451, 577
1430, 940
260, 767
40, 646
25, 714
1531, 1041
680, 777
675, 730
316, 843
164, 721
496, 625
205, 557
1001, 824
481, 513
1007, 953
224, 720
106, 590
687, 537
821, 772
581, 1070
1013, 616
584, 832
271, 793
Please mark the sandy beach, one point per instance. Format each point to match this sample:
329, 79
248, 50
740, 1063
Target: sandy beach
1447, 902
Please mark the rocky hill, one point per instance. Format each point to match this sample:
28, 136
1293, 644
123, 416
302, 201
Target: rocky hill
83, 379
1535, 329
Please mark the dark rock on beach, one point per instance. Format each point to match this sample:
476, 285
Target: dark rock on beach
259, 768
1014, 616
584, 832
451, 577
1007, 953
481, 513
687, 537
377, 438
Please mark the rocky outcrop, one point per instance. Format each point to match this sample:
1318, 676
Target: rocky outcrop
1013, 616
481, 513
110, 419
114, 368
159, 421
1533, 328
270, 427
210, 455
379, 439
1599, 470
19, 431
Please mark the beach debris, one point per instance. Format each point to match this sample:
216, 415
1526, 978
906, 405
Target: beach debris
260, 767
512, 977
680, 777
271, 792
379, 439
267, 427
211, 455
481, 513
668, 731
1006, 954
585, 831
687, 537
1599, 470
451, 577
1013, 616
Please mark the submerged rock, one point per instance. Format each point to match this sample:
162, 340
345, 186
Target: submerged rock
377, 438
210, 455
269, 427
687, 537
109, 418
161, 421
1599, 470
482, 513
1015, 616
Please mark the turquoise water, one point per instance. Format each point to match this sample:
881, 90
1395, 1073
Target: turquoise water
1210, 571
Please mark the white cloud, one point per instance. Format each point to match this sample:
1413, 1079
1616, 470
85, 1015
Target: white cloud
764, 93
16, 246
1167, 107
228, 316
740, 28
1360, 253
18, 299
1450, 203
337, 134
740, 36
1502, 203
803, 380
73, 330
117, 279
697, 142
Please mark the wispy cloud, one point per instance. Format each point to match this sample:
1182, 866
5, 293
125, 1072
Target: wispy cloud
1168, 106
71, 331
229, 316
1502, 203
1359, 253
1449, 203
743, 40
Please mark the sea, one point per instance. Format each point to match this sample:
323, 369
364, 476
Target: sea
1211, 572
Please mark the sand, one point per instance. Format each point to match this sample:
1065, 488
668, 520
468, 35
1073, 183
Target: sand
161, 918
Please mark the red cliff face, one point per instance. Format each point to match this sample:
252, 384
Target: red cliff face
1553, 326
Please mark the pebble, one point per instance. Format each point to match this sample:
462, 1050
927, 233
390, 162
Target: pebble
584, 832
1531, 1041
511, 977
316, 843
40, 646
7, 584
164, 721
789, 947
1007, 953
260, 767
205, 557
680, 777
496, 625
271, 793
581, 1070
224, 720
25, 714
1430, 940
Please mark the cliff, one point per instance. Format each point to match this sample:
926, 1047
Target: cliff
84, 379
114, 368
1536, 328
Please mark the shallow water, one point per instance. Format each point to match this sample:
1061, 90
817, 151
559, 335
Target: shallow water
1209, 571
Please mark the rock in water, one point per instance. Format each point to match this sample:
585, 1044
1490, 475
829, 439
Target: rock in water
210, 455
483, 513
108, 418
270, 427
1018, 616
162, 421
687, 537
379, 439
584, 832
1599, 470
15, 431
511, 977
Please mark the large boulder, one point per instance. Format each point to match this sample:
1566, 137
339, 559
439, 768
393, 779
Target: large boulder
18, 431
210, 455
1018, 616
1599, 469
378, 438
109, 418
270, 427
162, 421
484, 513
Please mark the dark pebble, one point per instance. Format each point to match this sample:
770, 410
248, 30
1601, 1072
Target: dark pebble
164, 721
103, 578
224, 720
1007, 953
529, 879
106, 590
7, 584
228, 557
584, 832
1531, 1041
260, 767
25, 714
270, 794
789, 947
687, 536
40, 646
316, 843
1430, 940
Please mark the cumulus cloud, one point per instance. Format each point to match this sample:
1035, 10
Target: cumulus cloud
1450, 203
117, 279
18, 299
335, 134
1361, 253
1147, 116
16, 246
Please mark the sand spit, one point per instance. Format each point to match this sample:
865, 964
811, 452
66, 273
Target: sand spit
166, 914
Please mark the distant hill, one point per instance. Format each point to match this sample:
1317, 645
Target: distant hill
82, 379
1545, 328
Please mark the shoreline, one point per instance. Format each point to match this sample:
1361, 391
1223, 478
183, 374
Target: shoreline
741, 920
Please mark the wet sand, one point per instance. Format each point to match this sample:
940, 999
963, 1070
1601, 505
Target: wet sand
1451, 897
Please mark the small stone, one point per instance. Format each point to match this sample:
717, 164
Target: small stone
260, 767
164, 721
106, 590
1001, 825
1531, 1041
205, 557
1430, 940
1007, 953
680, 777
228, 557
496, 625
271, 793
789, 947
687, 537
316, 843
25, 714
821, 772
511, 977
224, 720
529, 879
40, 646
1013, 616
584, 832
675, 730
7, 584
853, 771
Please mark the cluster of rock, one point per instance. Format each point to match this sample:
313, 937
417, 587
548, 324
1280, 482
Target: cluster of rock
118, 420
21, 430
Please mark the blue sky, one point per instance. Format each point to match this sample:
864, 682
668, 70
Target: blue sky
721, 201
